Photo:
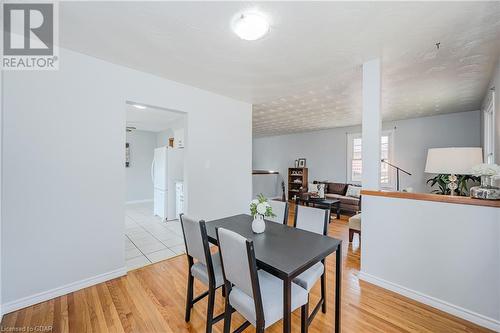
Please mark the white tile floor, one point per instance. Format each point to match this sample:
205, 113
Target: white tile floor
148, 239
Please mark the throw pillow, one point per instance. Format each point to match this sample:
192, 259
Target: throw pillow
312, 188
321, 190
317, 189
353, 191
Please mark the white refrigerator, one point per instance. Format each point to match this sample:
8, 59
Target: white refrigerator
166, 169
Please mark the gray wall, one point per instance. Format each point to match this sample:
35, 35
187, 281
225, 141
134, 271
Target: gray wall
142, 145
326, 150
163, 136
138, 175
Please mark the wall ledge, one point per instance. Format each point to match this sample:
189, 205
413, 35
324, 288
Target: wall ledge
434, 197
453, 309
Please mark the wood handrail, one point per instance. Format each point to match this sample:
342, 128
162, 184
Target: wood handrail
434, 197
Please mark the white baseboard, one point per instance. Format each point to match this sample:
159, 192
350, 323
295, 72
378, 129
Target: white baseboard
63, 290
138, 201
455, 310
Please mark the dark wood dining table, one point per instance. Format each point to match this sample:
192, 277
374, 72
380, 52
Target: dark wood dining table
285, 252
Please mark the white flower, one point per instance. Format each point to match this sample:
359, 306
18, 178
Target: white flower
255, 202
261, 208
267, 204
486, 170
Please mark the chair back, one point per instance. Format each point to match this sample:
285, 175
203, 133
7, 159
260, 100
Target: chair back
236, 256
195, 240
280, 209
312, 219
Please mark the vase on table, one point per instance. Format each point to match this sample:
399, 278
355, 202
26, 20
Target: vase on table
258, 224
486, 190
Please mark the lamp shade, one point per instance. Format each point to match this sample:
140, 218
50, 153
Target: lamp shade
458, 161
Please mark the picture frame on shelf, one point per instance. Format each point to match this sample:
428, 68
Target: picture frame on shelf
302, 162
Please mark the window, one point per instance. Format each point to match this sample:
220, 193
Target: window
354, 158
489, 130
384, 155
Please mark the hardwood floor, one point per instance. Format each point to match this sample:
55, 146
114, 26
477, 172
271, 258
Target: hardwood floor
152, 299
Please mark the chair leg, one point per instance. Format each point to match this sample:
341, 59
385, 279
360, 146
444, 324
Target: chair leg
223, 290
351, 235
259, 329
323, 292
304, 315
227, 317
210, 309
189, 297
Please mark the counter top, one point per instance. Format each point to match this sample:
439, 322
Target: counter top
434, 197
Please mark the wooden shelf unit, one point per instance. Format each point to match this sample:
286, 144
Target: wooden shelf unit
294, 175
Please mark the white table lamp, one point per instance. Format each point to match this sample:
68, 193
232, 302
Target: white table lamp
453, 161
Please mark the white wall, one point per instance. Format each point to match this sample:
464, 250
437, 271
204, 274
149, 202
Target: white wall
371, 124
64, 175
326, 150
138, 174
445, 255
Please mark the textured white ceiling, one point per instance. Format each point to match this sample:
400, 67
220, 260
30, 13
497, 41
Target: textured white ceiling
151, 119
306, 73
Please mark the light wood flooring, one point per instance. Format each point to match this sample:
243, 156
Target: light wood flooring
151, 299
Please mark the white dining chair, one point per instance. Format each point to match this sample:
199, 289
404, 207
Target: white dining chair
280, 209
255, 294
313, 220
203, 266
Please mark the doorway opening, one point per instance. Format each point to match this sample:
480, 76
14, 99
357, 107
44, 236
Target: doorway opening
155, 168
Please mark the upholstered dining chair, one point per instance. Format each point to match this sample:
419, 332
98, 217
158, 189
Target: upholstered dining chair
280, 209
313, 220
203, 266
255, 294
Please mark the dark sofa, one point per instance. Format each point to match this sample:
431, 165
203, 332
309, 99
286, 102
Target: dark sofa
337, 191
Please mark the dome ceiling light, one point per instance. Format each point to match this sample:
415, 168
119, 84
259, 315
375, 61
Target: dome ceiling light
250, 26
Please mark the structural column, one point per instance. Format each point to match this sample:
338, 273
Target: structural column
372, 123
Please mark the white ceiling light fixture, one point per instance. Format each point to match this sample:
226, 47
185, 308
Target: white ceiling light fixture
140, 107
250, 25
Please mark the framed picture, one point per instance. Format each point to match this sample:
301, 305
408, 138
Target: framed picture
302, 162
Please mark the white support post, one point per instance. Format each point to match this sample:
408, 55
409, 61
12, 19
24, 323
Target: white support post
372, 123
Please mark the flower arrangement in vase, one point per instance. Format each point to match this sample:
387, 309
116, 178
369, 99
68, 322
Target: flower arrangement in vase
487, 190
260, 208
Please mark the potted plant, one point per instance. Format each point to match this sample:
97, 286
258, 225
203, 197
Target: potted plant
442, 181
260, 208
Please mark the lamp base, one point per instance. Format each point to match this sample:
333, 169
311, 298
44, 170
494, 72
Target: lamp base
452, 185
